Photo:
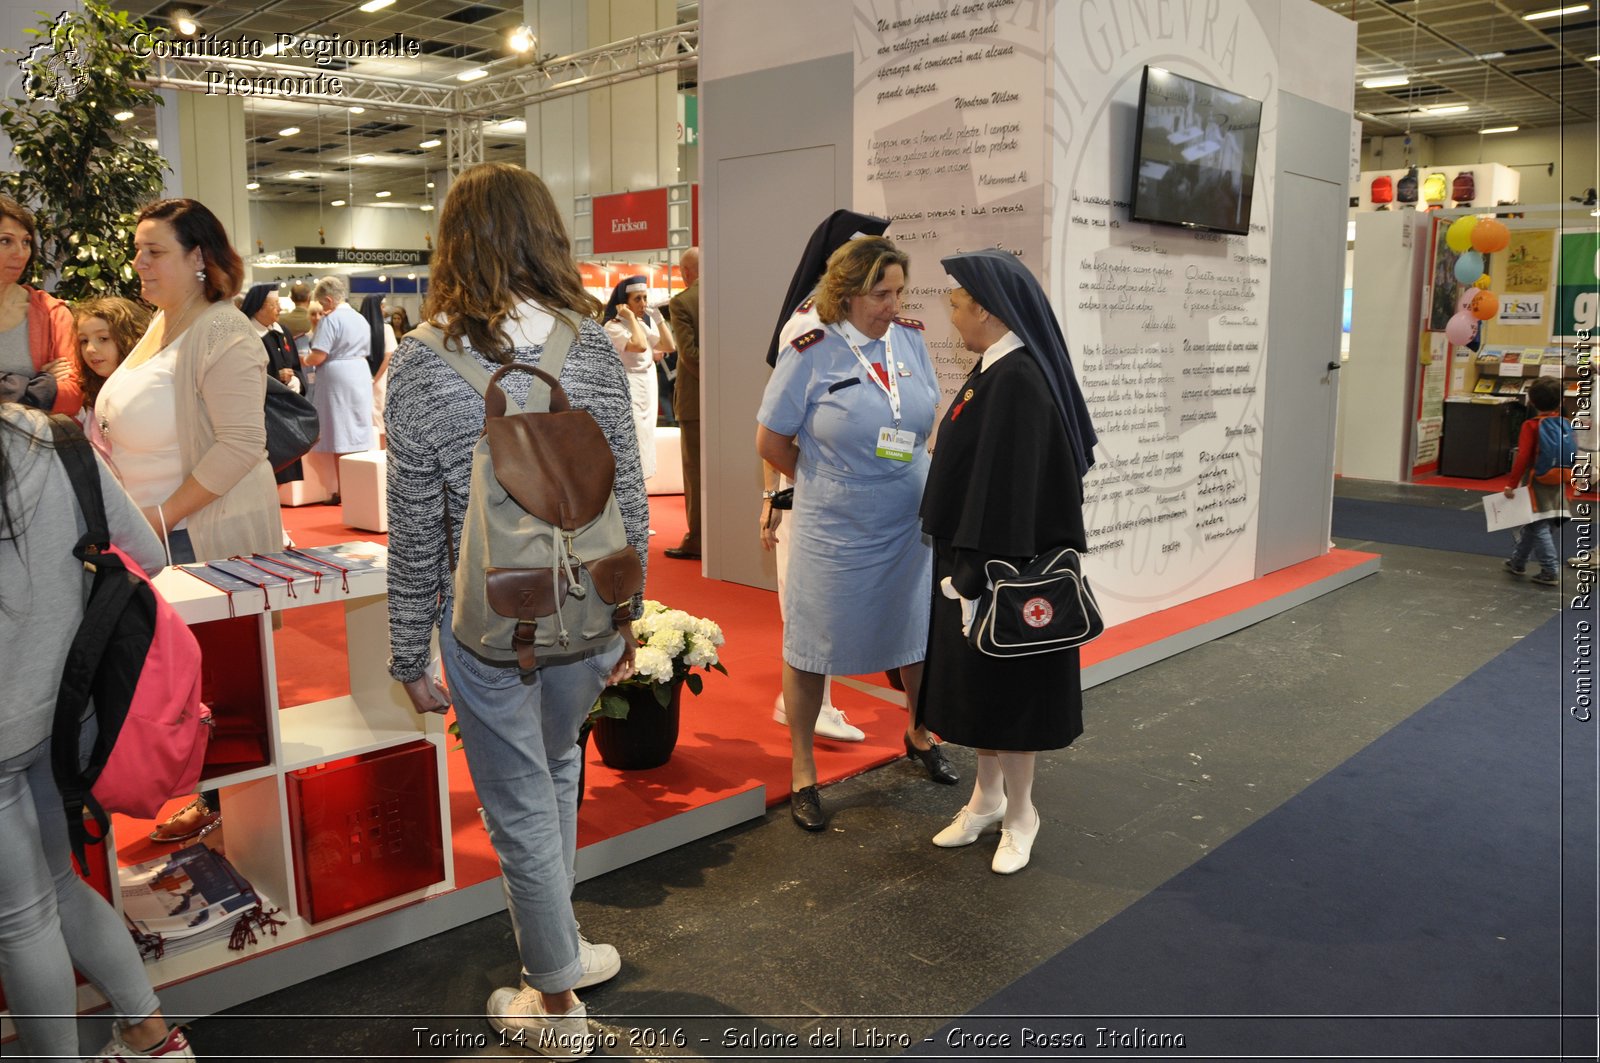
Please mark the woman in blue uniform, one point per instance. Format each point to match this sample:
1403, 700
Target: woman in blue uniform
846, 414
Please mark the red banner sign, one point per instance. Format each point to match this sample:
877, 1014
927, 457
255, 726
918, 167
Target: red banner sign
630, 221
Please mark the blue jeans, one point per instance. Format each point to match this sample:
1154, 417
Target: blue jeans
1538, 539
51, 920
521, 738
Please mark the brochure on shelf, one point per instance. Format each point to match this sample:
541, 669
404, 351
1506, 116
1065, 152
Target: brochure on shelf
184, 899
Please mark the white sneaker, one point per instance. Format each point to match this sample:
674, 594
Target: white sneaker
176, 1046
521, 1018
600, 962
830, 723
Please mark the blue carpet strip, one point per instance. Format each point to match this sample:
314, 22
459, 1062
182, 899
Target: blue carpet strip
1460, 530
1434, 895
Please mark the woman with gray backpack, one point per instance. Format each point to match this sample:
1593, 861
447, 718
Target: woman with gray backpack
531, 626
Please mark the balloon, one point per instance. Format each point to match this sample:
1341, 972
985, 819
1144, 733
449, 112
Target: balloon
1465, 300
1459, 329
1489, 236
1485, 304
1459, 236
1469, 267
1481, 282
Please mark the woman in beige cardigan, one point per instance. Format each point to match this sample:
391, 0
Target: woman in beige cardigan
183, 413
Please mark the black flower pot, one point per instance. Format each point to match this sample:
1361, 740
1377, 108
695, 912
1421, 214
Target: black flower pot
647, 737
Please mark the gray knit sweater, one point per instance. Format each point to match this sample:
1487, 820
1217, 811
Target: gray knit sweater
41, 583
433, 418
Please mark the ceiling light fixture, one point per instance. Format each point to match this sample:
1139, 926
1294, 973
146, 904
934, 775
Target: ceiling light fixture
472, 75
289, 131
1449, 108
512, 126
367, 157
1486, 56
297, 173
384, 195
430, 143
1501, 129
186, 25
426, 207
375, 5
358, 110
1391, 82
521, 40
252, 186
123, 116
1556, 12
1593, 59
337, 203
274, 49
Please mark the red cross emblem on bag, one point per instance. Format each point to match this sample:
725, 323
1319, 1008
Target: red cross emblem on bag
1036, 612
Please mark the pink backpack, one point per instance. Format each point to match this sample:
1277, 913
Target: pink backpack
138, 663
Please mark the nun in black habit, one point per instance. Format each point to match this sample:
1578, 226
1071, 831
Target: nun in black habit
1006, 482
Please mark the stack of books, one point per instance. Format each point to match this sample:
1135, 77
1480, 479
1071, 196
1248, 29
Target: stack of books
185, 899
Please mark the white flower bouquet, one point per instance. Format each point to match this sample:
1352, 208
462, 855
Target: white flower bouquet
672, 644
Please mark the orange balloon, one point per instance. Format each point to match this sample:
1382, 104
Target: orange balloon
1485, 305
1489, 236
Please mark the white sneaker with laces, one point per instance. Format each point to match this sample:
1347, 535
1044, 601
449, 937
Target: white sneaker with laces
831, 723
175, 1047
600, 962
519, 1015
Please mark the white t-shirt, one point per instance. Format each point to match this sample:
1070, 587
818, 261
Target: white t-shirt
138, 415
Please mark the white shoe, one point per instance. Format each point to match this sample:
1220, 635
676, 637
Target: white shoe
1015, 848
519, 1015
174, 1047
830, 723
965, 828
600, 962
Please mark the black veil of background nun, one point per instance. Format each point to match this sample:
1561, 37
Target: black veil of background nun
372, 310
1002, 285
835, 231
255, 299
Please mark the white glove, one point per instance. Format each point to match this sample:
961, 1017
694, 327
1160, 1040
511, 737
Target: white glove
969, 608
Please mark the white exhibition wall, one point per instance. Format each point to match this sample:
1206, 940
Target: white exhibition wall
1009, 123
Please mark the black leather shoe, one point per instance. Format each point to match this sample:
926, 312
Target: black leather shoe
682, 553
806, 808
932, 758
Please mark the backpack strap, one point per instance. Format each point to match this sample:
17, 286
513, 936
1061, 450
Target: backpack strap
551, 358
108, 596
77, 457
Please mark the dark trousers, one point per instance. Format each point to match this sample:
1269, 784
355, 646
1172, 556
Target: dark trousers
690, 448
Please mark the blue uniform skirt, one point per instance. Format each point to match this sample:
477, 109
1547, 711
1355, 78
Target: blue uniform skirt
857, 595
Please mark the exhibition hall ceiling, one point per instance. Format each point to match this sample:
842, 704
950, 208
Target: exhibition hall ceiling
1484, 56
1488, 55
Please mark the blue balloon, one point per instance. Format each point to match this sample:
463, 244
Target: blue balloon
1469, 267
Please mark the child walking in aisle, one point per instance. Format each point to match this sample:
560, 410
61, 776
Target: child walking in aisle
1545, 454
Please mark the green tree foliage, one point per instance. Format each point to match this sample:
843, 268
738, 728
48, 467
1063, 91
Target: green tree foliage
81, 171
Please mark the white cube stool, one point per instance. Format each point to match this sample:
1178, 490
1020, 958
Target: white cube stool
668, 479
311, 488
364, 490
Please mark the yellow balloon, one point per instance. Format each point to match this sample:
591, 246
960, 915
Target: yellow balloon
1482, 282
1459, 236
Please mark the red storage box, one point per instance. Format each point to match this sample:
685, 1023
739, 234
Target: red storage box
365, 829
233, 686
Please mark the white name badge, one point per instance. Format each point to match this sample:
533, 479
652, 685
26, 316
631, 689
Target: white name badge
896, 444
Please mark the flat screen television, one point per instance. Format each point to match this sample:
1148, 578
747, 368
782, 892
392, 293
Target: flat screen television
1194, 163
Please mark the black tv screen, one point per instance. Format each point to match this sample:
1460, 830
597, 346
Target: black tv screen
1195, 160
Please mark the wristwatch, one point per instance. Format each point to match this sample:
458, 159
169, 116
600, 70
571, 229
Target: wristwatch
769, 495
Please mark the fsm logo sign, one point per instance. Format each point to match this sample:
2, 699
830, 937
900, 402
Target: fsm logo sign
56, 69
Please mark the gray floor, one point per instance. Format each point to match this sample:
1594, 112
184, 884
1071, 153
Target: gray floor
764, 930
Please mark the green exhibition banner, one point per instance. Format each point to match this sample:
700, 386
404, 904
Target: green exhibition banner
1577, 303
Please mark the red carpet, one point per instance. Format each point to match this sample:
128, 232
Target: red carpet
728, 740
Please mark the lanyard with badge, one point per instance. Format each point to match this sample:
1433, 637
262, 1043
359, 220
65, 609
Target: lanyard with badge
894, 442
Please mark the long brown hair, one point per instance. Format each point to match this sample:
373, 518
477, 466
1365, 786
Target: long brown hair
501, 240
127, 319
195, 226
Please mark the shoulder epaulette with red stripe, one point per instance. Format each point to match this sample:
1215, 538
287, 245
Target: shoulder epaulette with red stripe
805, 307
909, 322
805, 340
